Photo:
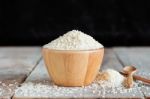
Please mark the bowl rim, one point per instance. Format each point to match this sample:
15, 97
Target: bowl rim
73, 50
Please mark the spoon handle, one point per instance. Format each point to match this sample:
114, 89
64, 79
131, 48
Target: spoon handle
141, 79
129, 81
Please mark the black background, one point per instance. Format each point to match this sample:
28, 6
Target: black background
111, 22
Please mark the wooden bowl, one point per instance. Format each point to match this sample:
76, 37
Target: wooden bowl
73, 68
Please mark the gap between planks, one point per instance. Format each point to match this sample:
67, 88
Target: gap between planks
138, 57
15, 65
38, 61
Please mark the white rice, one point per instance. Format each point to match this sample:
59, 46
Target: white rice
74, 40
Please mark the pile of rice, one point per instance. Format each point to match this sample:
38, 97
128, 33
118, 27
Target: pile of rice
74, 40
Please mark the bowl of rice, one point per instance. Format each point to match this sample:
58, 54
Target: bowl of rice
73, 59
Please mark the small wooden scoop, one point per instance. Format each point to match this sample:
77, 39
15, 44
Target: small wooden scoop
129, 71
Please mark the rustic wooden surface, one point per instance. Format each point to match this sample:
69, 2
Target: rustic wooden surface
15, 65
40, 74
110, 61
26, 58
138, 57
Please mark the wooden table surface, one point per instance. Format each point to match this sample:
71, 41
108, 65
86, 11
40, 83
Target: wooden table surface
20, 65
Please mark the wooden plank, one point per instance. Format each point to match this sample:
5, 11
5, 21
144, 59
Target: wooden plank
25, 55
110, 61
15, 64
10, 52
40, 75
140, 58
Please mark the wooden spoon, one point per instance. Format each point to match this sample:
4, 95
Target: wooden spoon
128, 69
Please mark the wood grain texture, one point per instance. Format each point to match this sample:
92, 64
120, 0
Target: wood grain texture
73, 68
15, 65
138, 57
110, 61
39, 74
